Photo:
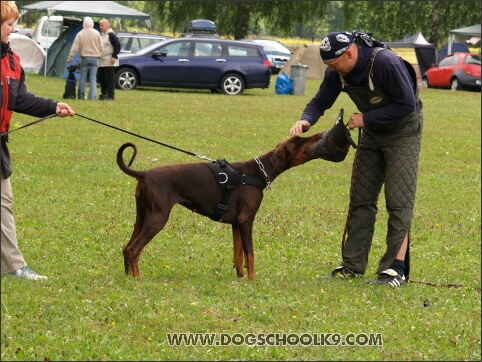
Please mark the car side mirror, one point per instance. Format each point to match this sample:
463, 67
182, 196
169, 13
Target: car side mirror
158, 54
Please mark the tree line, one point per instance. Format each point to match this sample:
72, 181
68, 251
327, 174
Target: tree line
385, 20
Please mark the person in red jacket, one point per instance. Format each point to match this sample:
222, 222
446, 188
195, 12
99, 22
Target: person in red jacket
15, 97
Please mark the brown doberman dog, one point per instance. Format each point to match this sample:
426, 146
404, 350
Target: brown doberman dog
198, 188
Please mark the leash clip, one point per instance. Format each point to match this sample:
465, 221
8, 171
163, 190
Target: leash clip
202, 157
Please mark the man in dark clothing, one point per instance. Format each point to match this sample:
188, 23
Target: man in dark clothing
384, 88
108, 61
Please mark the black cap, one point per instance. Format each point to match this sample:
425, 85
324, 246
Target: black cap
335, 44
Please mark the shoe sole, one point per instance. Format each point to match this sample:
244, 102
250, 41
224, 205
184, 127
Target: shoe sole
331, 276
378, 282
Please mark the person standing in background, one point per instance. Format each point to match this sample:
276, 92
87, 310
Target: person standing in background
108, 61
89, 43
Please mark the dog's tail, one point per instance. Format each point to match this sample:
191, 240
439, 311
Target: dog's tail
126, 168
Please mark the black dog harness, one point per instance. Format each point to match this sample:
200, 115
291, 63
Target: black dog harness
229, 178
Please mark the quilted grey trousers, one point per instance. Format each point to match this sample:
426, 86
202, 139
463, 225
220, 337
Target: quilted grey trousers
389, 159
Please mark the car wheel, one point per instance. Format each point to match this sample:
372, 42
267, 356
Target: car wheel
425, 82
232, 84
455, 85
126, 79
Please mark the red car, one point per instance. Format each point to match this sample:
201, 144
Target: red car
456, 71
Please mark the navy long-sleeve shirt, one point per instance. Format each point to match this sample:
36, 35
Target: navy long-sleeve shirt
390, 75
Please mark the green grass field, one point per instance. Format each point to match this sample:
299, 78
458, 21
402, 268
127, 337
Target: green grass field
75, 209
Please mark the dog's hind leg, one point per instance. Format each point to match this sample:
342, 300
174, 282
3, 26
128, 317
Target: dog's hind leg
238, 251
141, 236
140, 220
128, 262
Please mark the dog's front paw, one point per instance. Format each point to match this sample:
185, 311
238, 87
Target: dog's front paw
239, 270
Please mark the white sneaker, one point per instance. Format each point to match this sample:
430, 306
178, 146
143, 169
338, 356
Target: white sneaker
26, 273
390, 277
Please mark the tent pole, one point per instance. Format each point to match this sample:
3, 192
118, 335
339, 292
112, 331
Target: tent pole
47, 43
49, 12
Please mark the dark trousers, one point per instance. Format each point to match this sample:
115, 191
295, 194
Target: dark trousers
105, 76
390, 160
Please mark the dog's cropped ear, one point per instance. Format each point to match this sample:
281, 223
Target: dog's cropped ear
278, 160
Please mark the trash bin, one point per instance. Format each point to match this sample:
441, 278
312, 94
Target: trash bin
298, 78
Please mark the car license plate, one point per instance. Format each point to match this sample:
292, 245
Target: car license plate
477, 81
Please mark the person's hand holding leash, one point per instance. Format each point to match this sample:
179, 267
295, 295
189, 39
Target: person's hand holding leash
64, 110
356, 120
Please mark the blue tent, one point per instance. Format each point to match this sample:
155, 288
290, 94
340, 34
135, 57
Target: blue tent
456, 47
59, 51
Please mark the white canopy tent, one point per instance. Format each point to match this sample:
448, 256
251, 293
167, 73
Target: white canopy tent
105, 9
31, 54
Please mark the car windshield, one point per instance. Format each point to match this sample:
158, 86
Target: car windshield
52, 28
273, 46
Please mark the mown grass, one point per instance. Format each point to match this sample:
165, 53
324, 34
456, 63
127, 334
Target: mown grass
75, 209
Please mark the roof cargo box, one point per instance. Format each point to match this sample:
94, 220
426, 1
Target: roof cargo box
200, 28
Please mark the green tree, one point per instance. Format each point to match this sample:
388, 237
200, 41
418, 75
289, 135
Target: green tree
448, 15
393, 20
385, 20
237, 18
147, 7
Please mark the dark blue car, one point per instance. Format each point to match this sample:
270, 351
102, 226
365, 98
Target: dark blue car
226, 66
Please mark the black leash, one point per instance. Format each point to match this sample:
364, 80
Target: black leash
30, 124
116, 128
145, 138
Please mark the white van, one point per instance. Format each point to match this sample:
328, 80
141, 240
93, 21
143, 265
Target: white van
49, 28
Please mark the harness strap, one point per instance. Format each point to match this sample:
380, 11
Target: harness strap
370, 75
222, 206
229, 178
